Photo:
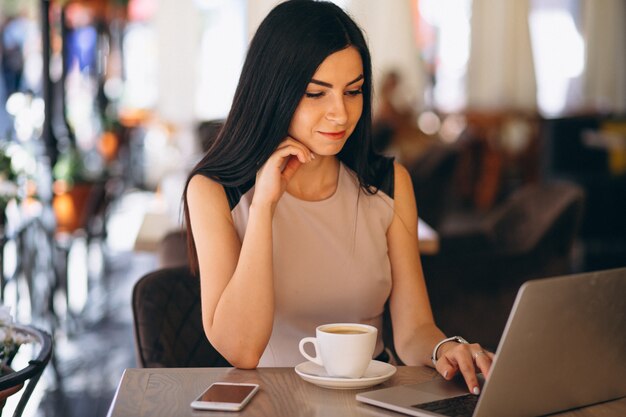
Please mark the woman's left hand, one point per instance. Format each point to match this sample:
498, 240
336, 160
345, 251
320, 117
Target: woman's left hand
467, 359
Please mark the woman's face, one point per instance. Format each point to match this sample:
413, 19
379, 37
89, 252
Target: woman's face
332, 104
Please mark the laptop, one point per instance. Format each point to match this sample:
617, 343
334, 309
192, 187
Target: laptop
563, 347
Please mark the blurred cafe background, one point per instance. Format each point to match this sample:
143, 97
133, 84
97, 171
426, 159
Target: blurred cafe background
509, 114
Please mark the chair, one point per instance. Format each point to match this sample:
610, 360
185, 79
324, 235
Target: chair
473, 280
168, 321
207, 131
572, 155
432, 175
172, 250
33, 371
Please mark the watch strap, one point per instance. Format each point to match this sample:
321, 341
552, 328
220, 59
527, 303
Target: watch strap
457, 339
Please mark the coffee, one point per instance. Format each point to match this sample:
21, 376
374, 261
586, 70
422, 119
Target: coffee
344, 330
343, 349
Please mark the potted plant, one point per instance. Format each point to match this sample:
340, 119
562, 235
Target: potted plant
72, 188
8, 178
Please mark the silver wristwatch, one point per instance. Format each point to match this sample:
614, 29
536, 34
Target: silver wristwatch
457, 339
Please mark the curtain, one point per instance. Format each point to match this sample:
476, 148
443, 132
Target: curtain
500, 70
604, 79
389, 30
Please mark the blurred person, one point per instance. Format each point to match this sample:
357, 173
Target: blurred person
294, 221
14, 32
394, 127
388, 117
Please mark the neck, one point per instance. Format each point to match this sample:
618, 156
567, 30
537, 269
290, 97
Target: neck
316, 180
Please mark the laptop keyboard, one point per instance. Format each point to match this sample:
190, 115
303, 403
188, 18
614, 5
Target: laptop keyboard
462, 406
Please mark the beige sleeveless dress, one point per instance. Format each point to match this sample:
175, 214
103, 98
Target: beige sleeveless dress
330, 263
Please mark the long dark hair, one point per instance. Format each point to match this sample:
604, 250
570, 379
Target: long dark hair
288, 47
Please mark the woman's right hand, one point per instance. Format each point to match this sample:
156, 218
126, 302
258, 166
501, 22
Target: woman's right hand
278, 170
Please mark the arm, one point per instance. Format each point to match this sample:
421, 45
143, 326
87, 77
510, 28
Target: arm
414, 329
232, 290
236, 278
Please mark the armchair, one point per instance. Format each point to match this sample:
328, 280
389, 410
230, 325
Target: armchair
168, 322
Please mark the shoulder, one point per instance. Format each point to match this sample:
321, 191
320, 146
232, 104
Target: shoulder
203, 187
199, 185
203, 191
394, 179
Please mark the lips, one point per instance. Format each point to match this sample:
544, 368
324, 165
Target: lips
334, 135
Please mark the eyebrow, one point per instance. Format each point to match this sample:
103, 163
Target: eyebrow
329, 85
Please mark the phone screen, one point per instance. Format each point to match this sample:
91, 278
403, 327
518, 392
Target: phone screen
224, 393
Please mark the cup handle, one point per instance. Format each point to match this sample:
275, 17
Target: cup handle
317, 359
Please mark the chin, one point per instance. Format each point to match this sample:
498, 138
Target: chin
328, 150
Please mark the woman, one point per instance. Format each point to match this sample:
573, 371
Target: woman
294, 221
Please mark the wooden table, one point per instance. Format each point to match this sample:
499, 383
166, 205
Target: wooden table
168, 392
428, 238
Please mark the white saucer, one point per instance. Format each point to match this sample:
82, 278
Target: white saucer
376, 373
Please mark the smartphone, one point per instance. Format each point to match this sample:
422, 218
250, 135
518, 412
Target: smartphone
225, 396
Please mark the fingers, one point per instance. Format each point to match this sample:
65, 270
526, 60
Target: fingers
466, 359
466, 366
290, 147
274, 175
446, 368
483, 360
280, 155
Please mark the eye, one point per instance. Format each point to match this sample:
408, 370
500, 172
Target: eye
313, 95
355, 92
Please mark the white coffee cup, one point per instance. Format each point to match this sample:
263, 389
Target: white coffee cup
343, 349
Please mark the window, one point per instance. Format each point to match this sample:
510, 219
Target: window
222, 51
558, 52
444, 39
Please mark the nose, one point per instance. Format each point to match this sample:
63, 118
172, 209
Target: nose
337, 112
